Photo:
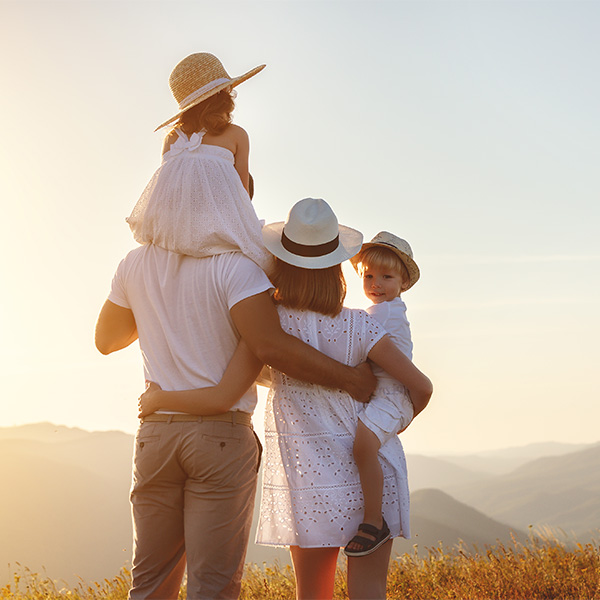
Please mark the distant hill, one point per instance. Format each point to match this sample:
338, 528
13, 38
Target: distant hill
428, 472
560, 491
437, 516
64, 506
508, 459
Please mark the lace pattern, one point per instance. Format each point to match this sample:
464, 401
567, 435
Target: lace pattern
311, 494
196, 204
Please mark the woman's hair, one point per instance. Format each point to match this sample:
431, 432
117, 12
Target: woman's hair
381, 258
213, 115
319, 290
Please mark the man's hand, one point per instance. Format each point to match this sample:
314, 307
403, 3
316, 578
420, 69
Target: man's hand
364, 384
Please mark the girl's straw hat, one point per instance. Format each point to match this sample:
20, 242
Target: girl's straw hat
199, 76
399, 247
311, 236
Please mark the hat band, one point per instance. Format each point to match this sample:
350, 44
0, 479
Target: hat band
389, 245
304, 250
199, 92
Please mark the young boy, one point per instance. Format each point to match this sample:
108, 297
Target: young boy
387, 269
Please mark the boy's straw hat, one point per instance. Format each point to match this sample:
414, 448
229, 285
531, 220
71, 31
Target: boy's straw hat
398, 246
199, 76
311, 237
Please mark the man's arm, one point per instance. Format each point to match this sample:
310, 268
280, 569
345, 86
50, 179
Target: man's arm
257, 320
115, 329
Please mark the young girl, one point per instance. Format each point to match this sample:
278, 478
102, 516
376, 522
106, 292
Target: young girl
311, 498
197, 202
387, 269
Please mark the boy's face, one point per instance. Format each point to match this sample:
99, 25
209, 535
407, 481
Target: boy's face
381, 285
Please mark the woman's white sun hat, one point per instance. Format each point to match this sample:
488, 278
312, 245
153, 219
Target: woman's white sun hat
311, 237
198, 77
401, 248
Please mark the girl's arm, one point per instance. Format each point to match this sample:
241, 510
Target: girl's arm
242, 370
170, 139
387, 355
241, 156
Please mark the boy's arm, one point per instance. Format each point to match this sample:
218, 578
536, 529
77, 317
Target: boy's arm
242, 370
392, 360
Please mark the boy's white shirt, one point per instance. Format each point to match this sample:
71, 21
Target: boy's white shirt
392, 316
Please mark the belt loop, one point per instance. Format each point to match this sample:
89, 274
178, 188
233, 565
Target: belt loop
170, 419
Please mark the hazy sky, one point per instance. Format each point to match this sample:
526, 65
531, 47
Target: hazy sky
469, 128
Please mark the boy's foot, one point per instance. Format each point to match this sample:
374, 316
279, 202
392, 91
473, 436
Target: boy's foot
361, 546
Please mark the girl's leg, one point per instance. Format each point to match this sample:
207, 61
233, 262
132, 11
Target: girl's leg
367, 575
366, 448
314, 569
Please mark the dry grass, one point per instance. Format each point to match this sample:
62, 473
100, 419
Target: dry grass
540, 570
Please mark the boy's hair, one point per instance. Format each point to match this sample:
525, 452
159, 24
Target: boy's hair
381, 258
319, 290
212, 115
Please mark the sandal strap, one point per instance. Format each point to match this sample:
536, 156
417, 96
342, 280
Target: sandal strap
370, 529
363, 541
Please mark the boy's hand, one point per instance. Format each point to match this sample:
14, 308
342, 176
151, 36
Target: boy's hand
149, 402
365, 383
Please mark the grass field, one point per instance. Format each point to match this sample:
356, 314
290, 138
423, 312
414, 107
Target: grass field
538, 570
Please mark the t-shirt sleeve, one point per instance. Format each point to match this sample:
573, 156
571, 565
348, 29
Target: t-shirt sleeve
380, 312
245, 279
118, 294
368, 330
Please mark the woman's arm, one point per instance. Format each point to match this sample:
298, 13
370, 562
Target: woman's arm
387, 355
242, 370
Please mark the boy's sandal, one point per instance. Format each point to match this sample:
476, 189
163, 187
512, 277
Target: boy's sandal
367, 545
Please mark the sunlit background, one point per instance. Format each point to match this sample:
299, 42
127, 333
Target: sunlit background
469, 128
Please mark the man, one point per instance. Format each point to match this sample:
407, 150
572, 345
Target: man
194, 478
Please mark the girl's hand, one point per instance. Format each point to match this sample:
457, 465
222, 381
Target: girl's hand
149, 401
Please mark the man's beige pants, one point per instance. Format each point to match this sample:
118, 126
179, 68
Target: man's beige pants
192, 500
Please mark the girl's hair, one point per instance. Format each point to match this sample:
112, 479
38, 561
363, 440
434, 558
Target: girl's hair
319, 290
212, 115
381, 258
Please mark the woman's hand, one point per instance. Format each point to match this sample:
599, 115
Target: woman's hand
149, 401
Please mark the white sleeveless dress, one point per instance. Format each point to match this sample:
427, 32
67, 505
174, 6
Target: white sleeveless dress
311, 494
196, 204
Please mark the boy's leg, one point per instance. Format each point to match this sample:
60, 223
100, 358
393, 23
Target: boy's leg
366, 448
314, 569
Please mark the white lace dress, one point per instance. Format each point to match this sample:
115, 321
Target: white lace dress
196, 204
311, 494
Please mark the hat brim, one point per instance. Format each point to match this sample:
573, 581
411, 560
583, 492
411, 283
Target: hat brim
409, 263
231, 83
350, 244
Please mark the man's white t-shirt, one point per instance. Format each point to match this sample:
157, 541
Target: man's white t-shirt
181, 307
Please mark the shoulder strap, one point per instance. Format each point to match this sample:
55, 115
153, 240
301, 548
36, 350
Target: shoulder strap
181, 134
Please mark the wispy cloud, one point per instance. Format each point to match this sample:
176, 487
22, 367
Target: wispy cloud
503, 303
475, 259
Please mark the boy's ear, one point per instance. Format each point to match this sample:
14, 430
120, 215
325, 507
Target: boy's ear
405, 285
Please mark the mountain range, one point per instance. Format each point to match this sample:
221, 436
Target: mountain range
64, 508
